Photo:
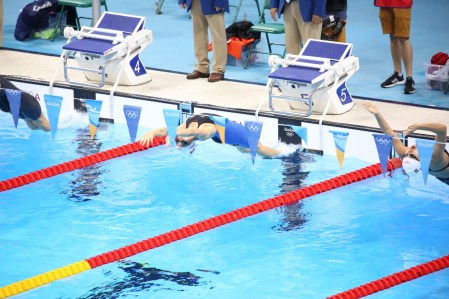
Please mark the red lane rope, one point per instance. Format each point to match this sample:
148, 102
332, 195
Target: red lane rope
198, 227
210, 223
394, 279
77, 163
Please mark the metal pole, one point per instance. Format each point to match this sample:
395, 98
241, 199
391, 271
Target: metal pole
96, 11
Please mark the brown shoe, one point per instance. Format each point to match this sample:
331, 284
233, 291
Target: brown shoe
196, 74
215, 77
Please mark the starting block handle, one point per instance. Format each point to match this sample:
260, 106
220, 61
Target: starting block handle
69, 32
290, 60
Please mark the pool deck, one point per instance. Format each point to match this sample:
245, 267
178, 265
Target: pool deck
169, 86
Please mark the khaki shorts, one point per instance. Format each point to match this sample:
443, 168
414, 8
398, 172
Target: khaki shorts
395, 21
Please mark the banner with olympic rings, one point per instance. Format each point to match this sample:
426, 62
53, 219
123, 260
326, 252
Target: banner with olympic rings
53, 104
340, 139
132, 115
93, 111
383, 144
253, 130
14, 98
425, 150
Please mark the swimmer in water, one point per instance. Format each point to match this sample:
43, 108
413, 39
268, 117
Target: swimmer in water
30, 109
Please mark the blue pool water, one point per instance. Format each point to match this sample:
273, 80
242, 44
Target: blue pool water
323, 245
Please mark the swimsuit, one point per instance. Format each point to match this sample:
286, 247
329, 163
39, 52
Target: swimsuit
203, 119
443, 167
235, 133
29, 106
444, 180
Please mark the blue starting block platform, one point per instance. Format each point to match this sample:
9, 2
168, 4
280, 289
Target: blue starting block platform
314, 80
109, 51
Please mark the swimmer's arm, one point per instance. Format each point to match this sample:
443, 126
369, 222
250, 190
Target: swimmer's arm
440, 131
147, 138
386, 128
205, 132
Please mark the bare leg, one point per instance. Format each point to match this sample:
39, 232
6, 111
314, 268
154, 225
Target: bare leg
40, 123
266, 151
407, 55
396, 53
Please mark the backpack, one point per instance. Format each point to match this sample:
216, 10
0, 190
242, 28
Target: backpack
35, 16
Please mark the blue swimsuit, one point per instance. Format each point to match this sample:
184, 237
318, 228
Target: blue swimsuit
235, 133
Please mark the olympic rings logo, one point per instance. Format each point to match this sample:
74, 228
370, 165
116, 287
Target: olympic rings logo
13, 92
131, 113
289, 132
253, 128
383, 140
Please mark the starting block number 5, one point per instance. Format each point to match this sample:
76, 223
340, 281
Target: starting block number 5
343, 94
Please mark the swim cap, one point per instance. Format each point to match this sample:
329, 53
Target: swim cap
411, 165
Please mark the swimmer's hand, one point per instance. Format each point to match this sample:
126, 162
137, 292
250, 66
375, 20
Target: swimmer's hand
410, 129
147, 139
371, 108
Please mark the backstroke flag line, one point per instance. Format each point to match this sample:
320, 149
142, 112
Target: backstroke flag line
425, 150
340, 139
383, 144
220, 124
301, 132
14, 98
253, 130
172, 118
53, 104
93, 111
132, 115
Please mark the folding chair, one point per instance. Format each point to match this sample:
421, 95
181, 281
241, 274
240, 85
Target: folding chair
267, 28
314, 80
76, 4
237, 9
107, 50
159, 4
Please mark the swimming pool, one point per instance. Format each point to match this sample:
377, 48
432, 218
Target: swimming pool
323, 245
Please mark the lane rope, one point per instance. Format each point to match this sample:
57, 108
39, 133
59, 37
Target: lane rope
198, 227
394, 279
77, 164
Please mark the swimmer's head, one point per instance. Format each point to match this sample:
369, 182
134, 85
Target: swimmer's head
186, 145
184, 141
411, 164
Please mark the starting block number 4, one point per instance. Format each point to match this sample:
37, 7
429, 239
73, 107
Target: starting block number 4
137, 67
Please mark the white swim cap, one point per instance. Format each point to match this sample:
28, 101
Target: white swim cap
411, 165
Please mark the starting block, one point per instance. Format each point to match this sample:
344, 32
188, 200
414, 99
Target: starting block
109, 51
314, 80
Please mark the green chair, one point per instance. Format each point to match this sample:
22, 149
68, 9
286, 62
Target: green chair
75, 4
268, 28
